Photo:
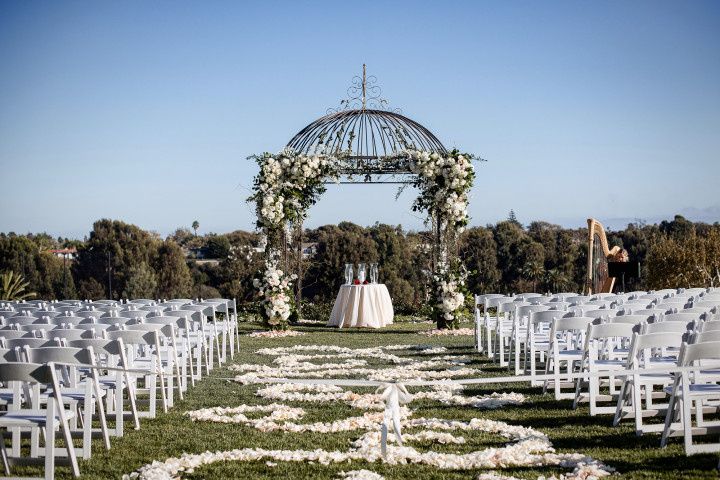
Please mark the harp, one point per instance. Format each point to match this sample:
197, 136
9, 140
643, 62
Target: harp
598, 280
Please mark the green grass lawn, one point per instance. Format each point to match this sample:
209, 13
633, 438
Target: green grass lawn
172, 434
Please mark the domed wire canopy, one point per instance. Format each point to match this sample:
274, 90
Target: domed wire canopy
368, 141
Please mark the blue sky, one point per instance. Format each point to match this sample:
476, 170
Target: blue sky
146, 111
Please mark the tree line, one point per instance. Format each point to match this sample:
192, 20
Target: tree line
121, 260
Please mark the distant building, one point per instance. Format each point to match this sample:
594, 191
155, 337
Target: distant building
69, 253
309, 249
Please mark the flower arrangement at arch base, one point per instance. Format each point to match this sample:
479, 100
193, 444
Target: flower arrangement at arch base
449, 291
274, 287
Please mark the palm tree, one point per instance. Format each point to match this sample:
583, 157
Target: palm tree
533, 271
195, 226
12, 287
556, 279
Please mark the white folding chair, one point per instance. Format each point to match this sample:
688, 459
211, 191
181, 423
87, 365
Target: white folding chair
80, 389
142, 352
566, 347
26, 413
638, 393
518, 337
692, 391
605, 350
111, 353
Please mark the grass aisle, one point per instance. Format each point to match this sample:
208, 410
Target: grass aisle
172, 434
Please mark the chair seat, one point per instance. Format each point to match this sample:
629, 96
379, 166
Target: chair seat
78, 393
655, 378
571, 353
610, 364
30, 418
700, 390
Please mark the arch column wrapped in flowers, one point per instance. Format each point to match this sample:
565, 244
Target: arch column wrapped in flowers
444, 182
289, 183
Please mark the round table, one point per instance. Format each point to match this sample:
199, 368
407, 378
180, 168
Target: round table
362, 306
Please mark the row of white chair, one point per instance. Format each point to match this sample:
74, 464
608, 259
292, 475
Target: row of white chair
606, 333
61, 372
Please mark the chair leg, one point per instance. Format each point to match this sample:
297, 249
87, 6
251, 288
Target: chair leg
50, 449
5, 460
70, 449
669, 415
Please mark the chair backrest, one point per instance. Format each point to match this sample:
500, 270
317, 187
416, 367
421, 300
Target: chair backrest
545, 316
600, 313
69, 355
480, 299
696, 352
706, 303
179, 322
645, 347
28, 373
68, 308
143, 301
70, 320
134, 337
610, 330
89, 314
559, 305
680, 317
26, 320
207, 310
677, 327
709, 326
509, 307
134, 313
571, 324
152, 308
577, 299
119, 321
630, 319
10, 334
492, 302
710, 336
161, 329
525, 310
698, 310
46, 313
190, 315
30, 342
658, 340
539, 300
99, 345
68, 334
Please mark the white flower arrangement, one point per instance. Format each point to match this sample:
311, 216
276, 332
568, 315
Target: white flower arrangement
445, 332
291, 365
448, 287
275, 289
275, 334
526, 446
444, 183
288, 184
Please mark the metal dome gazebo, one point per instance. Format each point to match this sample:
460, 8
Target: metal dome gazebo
370, 138
362, 141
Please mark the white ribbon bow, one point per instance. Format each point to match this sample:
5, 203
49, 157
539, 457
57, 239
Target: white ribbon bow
394, 394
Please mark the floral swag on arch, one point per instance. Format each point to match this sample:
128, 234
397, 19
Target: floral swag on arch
289, 183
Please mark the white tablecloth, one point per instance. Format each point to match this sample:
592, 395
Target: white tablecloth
362, 306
